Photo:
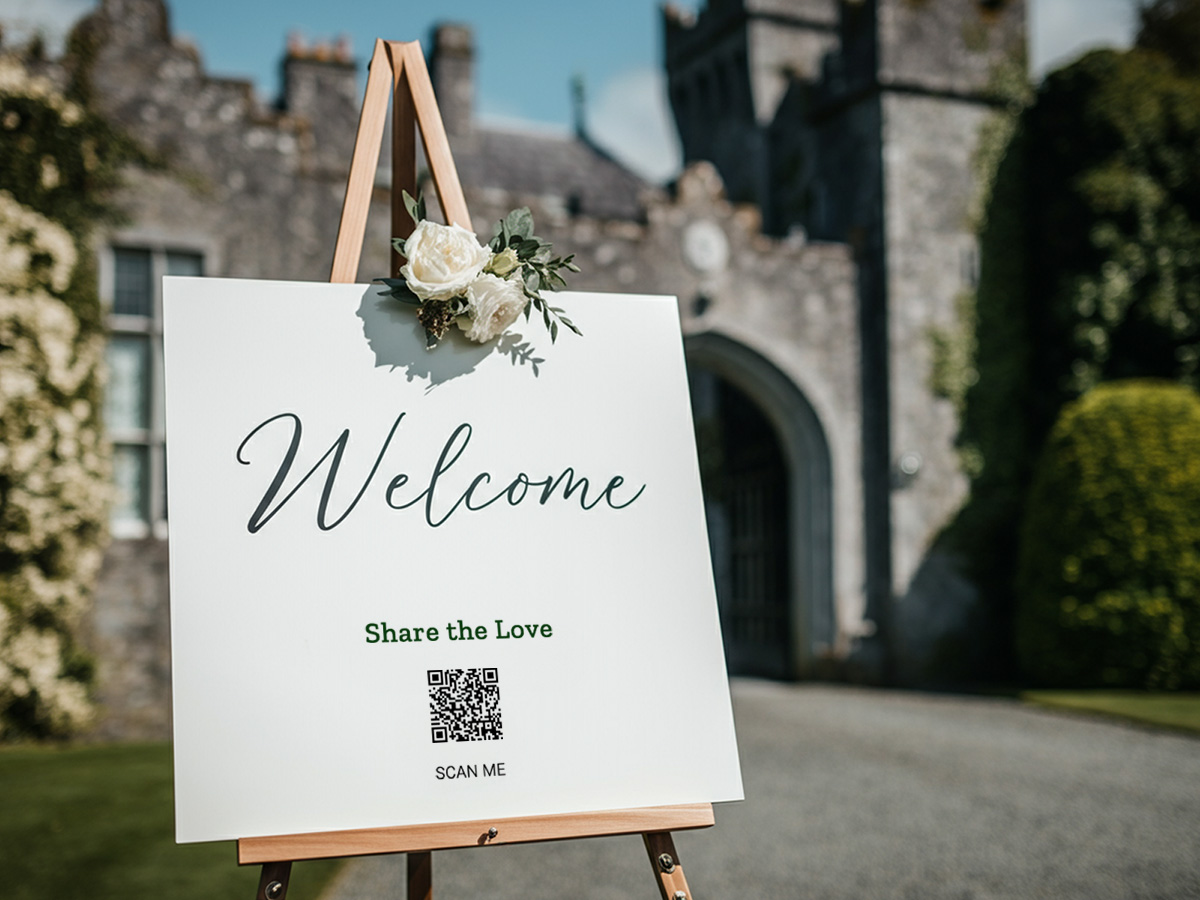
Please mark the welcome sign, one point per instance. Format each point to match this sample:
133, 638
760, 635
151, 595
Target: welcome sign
414, 586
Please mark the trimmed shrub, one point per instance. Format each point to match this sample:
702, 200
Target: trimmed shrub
1109, 564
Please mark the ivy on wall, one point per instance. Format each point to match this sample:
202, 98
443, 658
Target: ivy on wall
58, 162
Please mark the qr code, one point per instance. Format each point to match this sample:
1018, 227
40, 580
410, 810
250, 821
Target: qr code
464, 705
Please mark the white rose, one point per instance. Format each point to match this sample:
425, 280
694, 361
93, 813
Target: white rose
442, 260
494, 304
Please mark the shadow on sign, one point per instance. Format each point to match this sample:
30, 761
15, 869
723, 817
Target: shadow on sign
398, 341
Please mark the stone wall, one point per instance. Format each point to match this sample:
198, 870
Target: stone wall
937, 59
930, 267
265, 184
129, 631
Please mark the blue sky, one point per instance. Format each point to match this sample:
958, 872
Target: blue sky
527, 52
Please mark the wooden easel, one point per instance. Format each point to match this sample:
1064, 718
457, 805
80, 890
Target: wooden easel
414, 104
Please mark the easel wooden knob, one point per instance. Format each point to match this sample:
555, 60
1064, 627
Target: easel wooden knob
414, 105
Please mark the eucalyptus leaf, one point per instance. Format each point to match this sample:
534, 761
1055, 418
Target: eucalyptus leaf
415, 206
520, 222
398, 288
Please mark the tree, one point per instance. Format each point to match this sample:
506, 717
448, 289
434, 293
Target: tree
1172, 28
1116, 231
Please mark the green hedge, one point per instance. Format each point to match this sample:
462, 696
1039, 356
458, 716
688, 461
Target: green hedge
1109, 564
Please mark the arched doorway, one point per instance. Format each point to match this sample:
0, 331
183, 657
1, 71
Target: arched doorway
766, 473
745, 501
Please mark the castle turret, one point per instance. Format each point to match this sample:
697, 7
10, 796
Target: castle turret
856, 121
729, 67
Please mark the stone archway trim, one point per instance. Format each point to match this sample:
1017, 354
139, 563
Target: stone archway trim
806, 452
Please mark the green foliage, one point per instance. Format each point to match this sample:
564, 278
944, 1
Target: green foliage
539, 269
58, 161
1172, 28
1109, 567
1116, 231
1176, 710
1089, 235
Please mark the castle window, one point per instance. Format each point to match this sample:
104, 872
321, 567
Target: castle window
133, 409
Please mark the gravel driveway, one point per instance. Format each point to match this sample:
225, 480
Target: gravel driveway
863, 794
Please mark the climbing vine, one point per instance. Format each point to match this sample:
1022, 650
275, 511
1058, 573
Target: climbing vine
58, 163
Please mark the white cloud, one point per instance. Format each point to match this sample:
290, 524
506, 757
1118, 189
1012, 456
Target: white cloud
630, 118
50, 18
1062, 30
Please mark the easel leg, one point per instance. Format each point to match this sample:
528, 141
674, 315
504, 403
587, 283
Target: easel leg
273, 882
420, 876
671, 883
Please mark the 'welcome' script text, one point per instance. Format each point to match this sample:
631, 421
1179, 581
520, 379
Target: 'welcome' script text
478, 495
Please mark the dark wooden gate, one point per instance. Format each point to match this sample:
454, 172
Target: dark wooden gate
746, 499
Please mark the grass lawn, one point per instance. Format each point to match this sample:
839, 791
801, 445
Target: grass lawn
1172, 710
97, 822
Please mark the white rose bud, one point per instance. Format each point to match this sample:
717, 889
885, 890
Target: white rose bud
442, 260
503, 262
494, 304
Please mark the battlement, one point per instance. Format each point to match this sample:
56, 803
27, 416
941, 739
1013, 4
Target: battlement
728, 69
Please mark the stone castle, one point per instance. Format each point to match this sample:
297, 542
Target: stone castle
818, 236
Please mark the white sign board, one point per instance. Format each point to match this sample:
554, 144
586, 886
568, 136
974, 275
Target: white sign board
414, 586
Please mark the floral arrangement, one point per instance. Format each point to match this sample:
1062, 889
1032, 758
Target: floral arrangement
452, 279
